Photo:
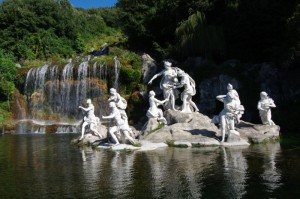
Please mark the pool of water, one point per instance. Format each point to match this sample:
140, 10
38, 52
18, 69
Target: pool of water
48, 166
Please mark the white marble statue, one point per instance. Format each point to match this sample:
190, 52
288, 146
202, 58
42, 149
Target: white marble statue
121, 124
168, 84
264, 106
90, 119
121, 103
231, 113
154, 111
189, 91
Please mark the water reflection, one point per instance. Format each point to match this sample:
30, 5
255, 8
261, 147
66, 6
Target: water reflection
179, 173
235, 171
42, 166
271, 174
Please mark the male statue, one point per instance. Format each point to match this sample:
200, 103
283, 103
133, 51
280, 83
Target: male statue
121, 124
90, 119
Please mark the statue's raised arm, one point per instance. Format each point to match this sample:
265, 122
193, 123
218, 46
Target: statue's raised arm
168, 84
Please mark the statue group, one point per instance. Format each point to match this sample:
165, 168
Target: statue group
119, 121
170, 84
172, 79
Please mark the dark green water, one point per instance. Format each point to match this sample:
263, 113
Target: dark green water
48, 166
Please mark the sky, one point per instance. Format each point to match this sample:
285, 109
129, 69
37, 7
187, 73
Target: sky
93, 3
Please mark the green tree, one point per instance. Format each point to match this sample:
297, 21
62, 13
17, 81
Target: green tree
7, 75
195, 37
39, 29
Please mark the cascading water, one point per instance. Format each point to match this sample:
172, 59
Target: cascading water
117, 72
53, 93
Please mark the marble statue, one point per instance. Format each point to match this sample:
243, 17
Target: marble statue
168, 84
120, 102
231, 113
154, 111
121, 124
264, 106
90, 119
189, 91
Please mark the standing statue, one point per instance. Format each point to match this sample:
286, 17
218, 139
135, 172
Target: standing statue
189, 91
264, 106
121, 124
120, 102
90, 119
168, 84
231, 113
154, 111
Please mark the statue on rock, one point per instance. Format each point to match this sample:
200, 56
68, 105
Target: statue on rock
121, 124
90, 119
168, 84
231, 113
120, 102
264, 106
154, 111
188, 106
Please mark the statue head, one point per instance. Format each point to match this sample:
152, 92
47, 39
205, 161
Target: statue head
167, 64
88, 101
179, 72
151, 93
229, 87
112, 91
263, 95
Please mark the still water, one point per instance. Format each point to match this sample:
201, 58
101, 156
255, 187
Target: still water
48, 166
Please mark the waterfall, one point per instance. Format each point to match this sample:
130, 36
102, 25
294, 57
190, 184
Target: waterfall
53, 93
65, 88
81, 90
117, 72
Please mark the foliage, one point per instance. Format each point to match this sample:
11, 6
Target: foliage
41, 29
4, 113
197, 38
7, 74
293, 38
130, 72
246, 30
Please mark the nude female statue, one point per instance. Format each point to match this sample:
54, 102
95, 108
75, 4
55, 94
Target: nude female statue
154, 111
264, 106
168, 84
231, 112
189, 91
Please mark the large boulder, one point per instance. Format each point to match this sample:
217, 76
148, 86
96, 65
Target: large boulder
258, 133
186, 129
196, 129
89, 138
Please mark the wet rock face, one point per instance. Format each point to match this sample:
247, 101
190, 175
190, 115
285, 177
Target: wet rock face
148, 68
